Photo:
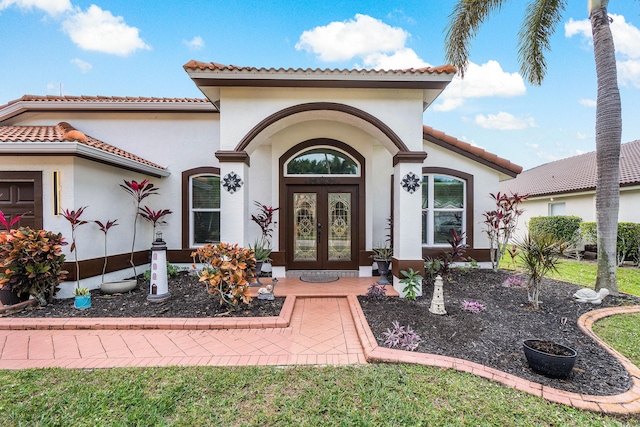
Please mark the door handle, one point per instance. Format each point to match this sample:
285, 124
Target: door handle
319, 230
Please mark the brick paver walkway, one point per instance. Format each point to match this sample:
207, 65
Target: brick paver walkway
321, 331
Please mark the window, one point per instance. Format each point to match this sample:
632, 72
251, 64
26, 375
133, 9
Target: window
204, 205
556, 209
443, 208
322, 161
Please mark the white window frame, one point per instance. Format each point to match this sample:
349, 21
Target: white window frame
193, 210
430, 210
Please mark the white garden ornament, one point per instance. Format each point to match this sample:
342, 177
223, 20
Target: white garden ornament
437, 303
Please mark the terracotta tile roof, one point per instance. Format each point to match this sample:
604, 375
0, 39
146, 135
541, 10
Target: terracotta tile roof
574, 174
213, 66
471, 152
63, 132
105, 99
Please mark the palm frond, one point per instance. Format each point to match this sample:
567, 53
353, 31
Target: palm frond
539, 24
464, 22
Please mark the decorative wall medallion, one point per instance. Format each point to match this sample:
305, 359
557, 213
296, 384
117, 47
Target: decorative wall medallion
411, 182
232, 182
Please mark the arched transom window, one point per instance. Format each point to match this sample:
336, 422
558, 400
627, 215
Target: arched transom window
322, 161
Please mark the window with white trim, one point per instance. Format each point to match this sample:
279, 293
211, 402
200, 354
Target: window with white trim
204, 207
443, 208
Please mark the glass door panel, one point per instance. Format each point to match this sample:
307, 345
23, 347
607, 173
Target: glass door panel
339, 229
305, 232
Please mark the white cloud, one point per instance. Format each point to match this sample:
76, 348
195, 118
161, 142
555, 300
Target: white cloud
82, 65
532, 145
98, 30
51, 7
581, 135
354, 38
400, 59
588, 102
484, 80
195, 43
504, 121
626, 39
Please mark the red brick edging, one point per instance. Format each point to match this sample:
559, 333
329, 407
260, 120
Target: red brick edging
625, 403
281, 321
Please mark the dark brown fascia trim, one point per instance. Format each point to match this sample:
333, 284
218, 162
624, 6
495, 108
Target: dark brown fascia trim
93, 267
318, 83
233, 157
398, 265
409, 157
468, 155
318, 106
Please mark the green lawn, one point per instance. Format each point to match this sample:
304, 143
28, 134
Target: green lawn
374, 395
584, 273
621, 332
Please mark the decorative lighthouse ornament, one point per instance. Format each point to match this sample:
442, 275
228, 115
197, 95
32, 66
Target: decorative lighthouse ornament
158, 288
437, 303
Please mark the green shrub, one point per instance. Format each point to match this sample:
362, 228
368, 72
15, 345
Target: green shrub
31, 262
628, 246
560, 226
539, 255
172, 271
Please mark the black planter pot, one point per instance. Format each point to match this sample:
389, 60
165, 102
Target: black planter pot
545, 361
383, 269
8, 297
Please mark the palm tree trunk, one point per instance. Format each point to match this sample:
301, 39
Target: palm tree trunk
608, 138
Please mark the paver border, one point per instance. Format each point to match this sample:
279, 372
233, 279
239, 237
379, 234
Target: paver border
144, 323
626, 403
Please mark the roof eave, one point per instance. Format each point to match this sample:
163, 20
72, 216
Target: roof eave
83, 151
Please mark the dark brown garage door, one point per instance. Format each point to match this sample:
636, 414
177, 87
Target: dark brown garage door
21, 194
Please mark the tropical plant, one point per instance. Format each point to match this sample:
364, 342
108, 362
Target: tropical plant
81, 292
402, 337
227, 270
105, 229
501, 223
442, 265
74, 219
264, 219
539, 255
538, 26
6, 223
472, 306
31, 262
261, 249
172, 271
139, 191
154, 217
376, 292
382, 253
412, 282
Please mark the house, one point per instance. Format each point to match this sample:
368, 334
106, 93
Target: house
568, 187
338, 151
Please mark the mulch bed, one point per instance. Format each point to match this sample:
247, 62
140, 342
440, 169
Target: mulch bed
189, 298
494, 336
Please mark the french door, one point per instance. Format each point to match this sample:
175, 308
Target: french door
322, 229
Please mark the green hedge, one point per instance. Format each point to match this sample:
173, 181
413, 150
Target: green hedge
559, 226
628, 238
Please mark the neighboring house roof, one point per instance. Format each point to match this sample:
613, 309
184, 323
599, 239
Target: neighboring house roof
103, 103
474, 153
64, 139
211, 76
574, 174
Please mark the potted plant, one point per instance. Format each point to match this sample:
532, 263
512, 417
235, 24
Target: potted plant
549, 358
74, 219
82, 298
264, 219
382, 256
262, 253
32, 263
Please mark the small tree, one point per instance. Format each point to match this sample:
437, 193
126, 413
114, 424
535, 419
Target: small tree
139, 192
501, 223
154, 217
74, 219
540, 254
264, 219
105, 229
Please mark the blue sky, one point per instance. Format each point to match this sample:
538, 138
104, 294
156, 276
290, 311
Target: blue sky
138, 48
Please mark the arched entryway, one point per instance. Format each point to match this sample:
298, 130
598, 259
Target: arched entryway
322, 195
